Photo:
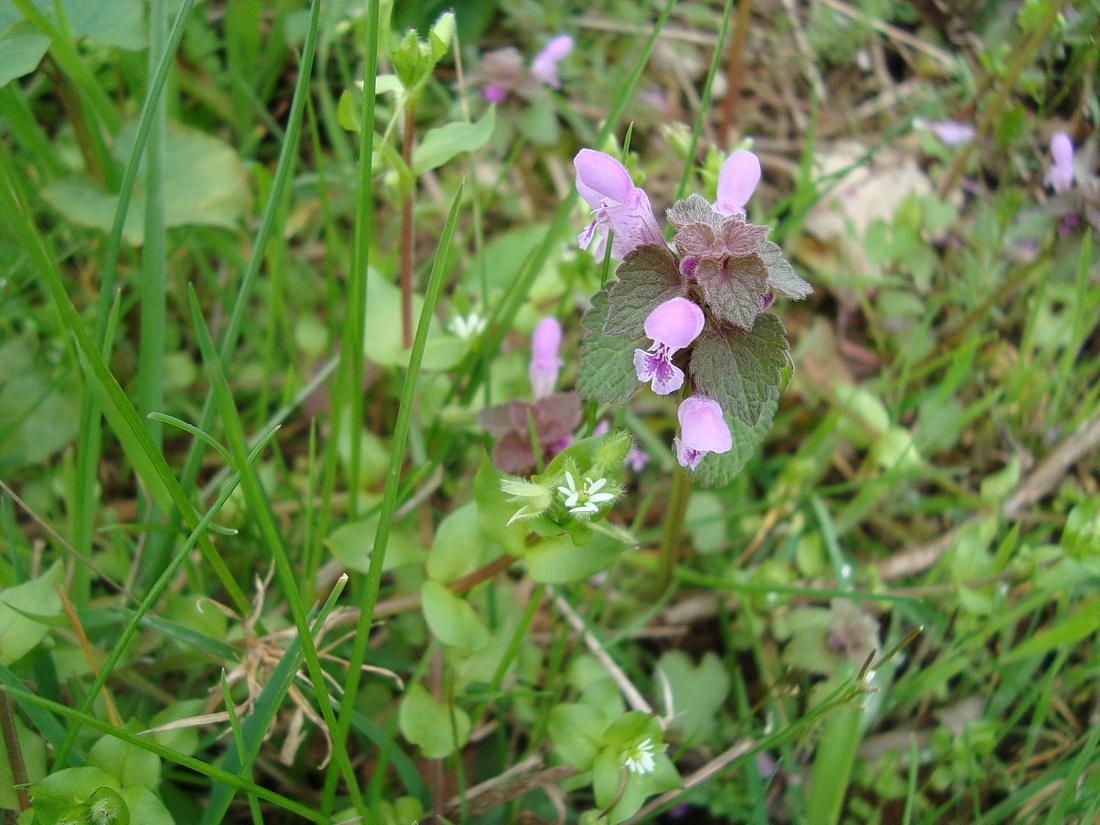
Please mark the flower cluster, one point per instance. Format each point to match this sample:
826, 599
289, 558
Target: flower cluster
700, 302
502, 71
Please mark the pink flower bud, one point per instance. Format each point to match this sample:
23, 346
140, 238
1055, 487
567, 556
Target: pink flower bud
545, 65
1060, 173
545, 362
736, 181
606, 186
703, 430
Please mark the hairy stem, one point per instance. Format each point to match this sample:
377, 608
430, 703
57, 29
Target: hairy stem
674, 526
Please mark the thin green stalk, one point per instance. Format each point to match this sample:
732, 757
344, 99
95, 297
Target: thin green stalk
704, 102
348, 399
150, 375
146, 459
673, 532
260, 509
373, 581
89, 436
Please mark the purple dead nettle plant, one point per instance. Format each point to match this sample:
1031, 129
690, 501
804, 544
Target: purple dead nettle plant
690, 317
1071, 174
502, 72
553, 416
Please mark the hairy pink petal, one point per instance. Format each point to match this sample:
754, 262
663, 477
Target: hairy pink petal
545, 65
736, 181
1060, 173
702, 425
675, 323
658, 368
545, 362
606, 186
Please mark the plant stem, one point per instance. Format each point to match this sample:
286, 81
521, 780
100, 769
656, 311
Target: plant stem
407, 234
674, 526
15, 755
734, 70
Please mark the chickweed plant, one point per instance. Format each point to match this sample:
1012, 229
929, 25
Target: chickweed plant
543, 413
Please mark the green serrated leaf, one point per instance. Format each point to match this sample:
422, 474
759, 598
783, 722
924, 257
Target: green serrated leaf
647, 277
781, 275
607, 361
719, 469
742, 369
734, 288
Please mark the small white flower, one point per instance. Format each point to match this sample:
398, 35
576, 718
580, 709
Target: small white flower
467, 327
639, 758
586, 498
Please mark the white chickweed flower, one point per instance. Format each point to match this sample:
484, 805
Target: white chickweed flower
639, 757
587, 497
467, 327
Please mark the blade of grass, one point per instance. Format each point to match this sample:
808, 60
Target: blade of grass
390, 495
138, 446
347, 403
257, 725
88, 430
260, 508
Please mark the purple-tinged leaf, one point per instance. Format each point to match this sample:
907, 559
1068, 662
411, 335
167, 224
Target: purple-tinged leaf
781, 275
734, 288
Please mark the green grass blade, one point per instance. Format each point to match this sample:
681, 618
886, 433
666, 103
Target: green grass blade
393, 483
260, 508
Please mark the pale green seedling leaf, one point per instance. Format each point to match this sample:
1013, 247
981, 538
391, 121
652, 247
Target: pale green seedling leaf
38, 408
428, 724
742, 369
459, 546
575, 731
451, 618
103, 22
495, 510
22, 48
129, 764
62, 790
446, 142
204, 184
19, 633
352, 544
384, 342
698, 690
706, 522
558, 560
145, 807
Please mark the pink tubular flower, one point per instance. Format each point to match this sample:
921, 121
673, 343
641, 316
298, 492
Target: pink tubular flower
545, 65
702, 430
494, 94
545, 362
672, 326
606, 186
736, 181
949, 132
1060, 173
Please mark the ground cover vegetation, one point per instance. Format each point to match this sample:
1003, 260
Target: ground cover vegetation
618, 412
